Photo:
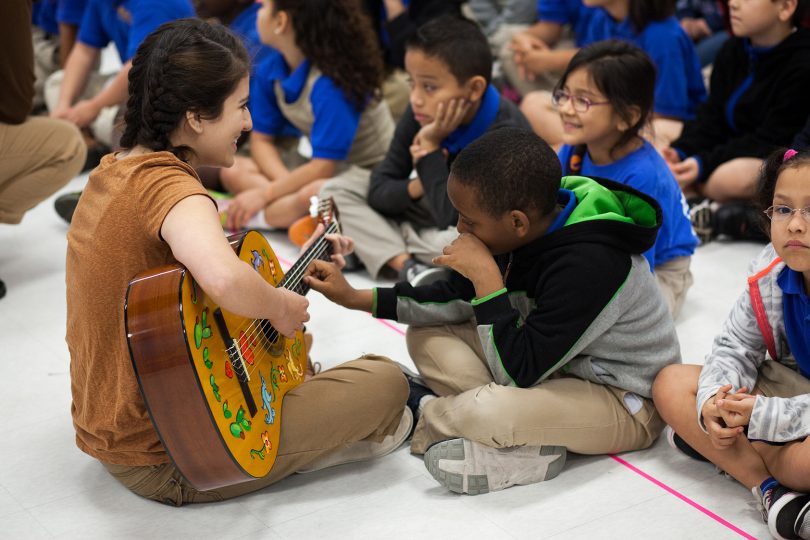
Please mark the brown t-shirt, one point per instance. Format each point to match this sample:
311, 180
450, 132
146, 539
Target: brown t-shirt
16, 62
115, 234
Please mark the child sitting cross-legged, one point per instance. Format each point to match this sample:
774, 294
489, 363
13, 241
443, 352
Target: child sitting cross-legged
402, 218
548, 334
748, 409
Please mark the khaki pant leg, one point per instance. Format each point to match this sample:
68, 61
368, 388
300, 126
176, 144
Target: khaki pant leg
104, 126
427, 242
585, 417
359, 400
449, 358
46, 61
674, 279
777, 380
376, 238
396, 93
37, 158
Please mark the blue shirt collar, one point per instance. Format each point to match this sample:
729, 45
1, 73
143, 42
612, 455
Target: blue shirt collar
792, 282
568, 200
487, 112
292, 83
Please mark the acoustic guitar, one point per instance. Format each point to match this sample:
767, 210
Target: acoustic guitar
213, 381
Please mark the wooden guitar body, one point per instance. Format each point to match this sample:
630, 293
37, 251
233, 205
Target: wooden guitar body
213, 382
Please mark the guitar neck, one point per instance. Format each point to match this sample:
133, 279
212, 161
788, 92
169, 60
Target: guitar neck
320, 249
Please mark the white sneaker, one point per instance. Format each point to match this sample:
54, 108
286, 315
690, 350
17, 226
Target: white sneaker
464, 466
365, 450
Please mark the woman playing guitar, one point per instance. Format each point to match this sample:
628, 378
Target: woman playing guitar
144, 207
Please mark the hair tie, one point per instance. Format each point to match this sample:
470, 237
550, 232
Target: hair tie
789, 154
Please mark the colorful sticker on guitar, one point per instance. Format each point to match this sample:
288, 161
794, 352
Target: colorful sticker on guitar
201, 329
193, 291
214, 387
282, 374
265, 447
257, 260
228, 369
206, 359
240, 425
226, 412
295, 371
267, 398
246, 346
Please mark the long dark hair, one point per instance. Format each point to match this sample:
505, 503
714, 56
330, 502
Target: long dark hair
769, 174
624, 74
338, 38
643, 12
184, 65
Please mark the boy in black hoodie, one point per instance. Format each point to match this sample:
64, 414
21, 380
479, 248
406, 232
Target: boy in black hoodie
549, 332
757, 103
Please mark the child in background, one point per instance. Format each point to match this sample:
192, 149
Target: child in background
501, 19
93, 101
145, 207
747, 410
240, 17
758, 101
704, 24
651, 25
548, 334
400, 221
604, 99
323, 80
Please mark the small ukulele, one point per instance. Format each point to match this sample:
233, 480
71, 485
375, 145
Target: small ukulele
213, 381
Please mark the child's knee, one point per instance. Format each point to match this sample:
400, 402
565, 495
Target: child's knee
674, 384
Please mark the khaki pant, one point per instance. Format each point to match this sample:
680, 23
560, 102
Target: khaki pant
777, 380
377, 238
585, 417
46, 61
37, 158
359, 400
674, 279
105, 127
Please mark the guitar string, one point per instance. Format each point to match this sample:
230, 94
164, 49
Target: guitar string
250, 333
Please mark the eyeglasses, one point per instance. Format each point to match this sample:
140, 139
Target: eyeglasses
782, 213
580, 103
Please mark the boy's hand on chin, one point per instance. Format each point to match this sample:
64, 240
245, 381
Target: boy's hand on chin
449, 116
468, 256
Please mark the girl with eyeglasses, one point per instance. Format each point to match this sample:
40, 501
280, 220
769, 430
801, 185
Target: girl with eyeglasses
604, 99
748, 409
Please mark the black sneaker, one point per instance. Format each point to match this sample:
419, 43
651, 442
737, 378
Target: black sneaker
701, 213
739, 221
65, 205
2, 289
785, 511
676, 442
416, 391
94, 155
418, 273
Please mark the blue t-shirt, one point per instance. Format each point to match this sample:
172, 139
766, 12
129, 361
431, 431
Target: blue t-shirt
71, 11
465, 134
244, 26
679, 87
797, 316
336, 119
646, 171
128, 22
570, 12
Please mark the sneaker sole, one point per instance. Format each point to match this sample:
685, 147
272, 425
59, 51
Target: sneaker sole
477, 484
780, 526
701, 218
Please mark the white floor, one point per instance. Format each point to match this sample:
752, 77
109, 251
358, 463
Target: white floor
49, 489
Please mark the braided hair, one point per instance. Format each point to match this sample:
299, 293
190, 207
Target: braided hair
184, 65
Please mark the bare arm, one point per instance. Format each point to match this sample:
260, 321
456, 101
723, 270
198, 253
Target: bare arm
316, 169
192, 230
264, 152
67, 39
549, 32
79, 64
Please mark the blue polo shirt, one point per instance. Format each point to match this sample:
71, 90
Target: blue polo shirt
71, 11
679, 87
128, 22
244, 26
646, 171
796, 312
570, 12
336, 118
43, 14
487, 112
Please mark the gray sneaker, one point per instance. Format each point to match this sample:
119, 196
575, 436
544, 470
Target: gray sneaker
786, 512
464, 466
418, 273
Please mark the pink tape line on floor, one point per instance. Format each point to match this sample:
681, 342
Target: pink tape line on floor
619, 460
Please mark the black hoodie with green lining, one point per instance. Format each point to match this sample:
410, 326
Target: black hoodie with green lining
581, 298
